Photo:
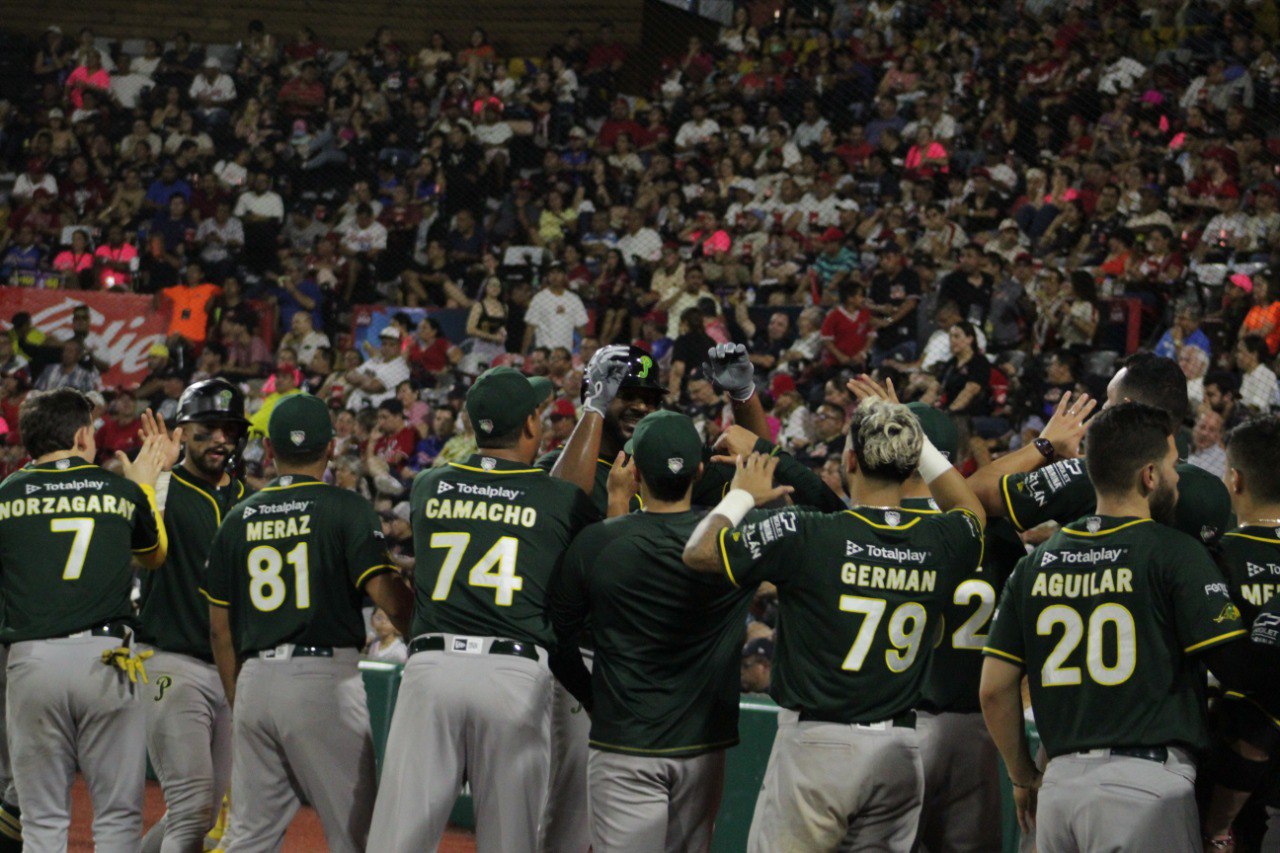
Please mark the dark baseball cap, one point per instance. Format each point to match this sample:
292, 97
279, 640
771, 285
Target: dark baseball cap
666, 446
300, 422
544, 388
500, 401
1204, 505
938, 428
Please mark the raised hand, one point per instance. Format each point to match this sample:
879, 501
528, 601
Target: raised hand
865, 388
730, 367
1066, 429
622, 479
736, 441
755, 476
147, 465
604, 375
153, 426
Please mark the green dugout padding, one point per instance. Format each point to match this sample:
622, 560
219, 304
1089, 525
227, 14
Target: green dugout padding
744, 768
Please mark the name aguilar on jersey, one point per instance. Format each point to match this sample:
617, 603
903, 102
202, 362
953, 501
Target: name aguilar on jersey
1075, 584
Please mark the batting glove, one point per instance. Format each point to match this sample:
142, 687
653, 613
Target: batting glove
732, 370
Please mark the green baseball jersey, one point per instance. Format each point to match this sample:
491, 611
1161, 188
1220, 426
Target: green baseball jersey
860, 595
487, 535
174, 615
1063, 492
291, 563
67, 533
1251, 558
955, 668
1106, 617
665, 677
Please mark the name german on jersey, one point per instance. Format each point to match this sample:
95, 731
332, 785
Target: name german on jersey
880, 577
506, 513
59, 504
1073, 583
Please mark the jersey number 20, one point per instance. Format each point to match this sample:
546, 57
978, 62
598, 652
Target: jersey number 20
496, 569
1055, 674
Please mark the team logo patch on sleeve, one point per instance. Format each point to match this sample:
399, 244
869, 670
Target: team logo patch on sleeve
1228, 614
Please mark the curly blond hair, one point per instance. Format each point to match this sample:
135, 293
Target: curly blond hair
886, 438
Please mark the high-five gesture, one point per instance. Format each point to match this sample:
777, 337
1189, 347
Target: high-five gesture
153, 426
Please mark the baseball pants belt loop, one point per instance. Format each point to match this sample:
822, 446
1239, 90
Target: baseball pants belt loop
514, 648
1158, 754
905, 720
284, 652
109, 629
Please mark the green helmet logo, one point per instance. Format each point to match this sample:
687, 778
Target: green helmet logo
224, 399
646, 364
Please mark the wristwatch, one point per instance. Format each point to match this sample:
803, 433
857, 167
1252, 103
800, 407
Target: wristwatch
1045, 446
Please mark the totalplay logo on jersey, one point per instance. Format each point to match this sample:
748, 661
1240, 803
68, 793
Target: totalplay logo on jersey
1091, 557
65, 486
488, 491
897, 555
277, 509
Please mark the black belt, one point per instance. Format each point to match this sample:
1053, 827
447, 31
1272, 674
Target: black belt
1158, 754
902, 721
119, 630
298, 652
497, 647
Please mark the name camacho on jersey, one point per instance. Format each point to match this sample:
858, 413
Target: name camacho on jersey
67, 532
860, 594
174, 615
1063, 492
291, 563
487, 535
1105, 617
1251, 558
665, 677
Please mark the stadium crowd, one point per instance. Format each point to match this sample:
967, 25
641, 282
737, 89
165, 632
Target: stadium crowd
989, 204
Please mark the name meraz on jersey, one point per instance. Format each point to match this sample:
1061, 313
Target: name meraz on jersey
505, 513
277, 528
59, 505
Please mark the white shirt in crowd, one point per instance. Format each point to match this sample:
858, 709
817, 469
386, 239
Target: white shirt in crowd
554, 318
389, 373
693, 133
357, 239
644, 245
222, 90
128, 88
308, 346
268, 204
1259, 389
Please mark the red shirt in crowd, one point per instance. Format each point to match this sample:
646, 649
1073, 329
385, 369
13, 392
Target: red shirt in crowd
113, 436
432, 358
397, 447
849, 332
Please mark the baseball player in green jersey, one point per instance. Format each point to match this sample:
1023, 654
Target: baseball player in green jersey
1250, 557
610, 414
1032, 485
475, 701
69, 531
961, 809
287, 573
1109, 620
860, 595
663, 690
188, 719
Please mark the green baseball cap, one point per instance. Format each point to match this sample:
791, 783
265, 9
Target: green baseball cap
666, 446
1204, 505
544, 388
499, 402
300, 422
938, 428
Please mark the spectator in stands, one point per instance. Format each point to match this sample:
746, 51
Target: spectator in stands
1207, 449
74, 370
376, 379
121, 427
757, 666
555, 314
1185, 332
1258, 388
1263, 318
192, 301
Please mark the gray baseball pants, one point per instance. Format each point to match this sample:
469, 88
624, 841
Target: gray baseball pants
1100, 802
67, 709
961, 811
471, 716
829, 783
301, 732
641, 802
189, 741
566, 826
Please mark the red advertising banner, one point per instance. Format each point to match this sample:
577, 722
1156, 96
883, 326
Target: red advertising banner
122, 326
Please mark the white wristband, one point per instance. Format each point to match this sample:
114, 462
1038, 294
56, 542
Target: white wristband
932, 463
162, 489
735, 506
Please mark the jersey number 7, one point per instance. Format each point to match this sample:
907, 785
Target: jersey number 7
496, 569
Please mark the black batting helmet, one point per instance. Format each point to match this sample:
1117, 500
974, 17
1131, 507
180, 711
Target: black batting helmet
642, 372
213, 401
